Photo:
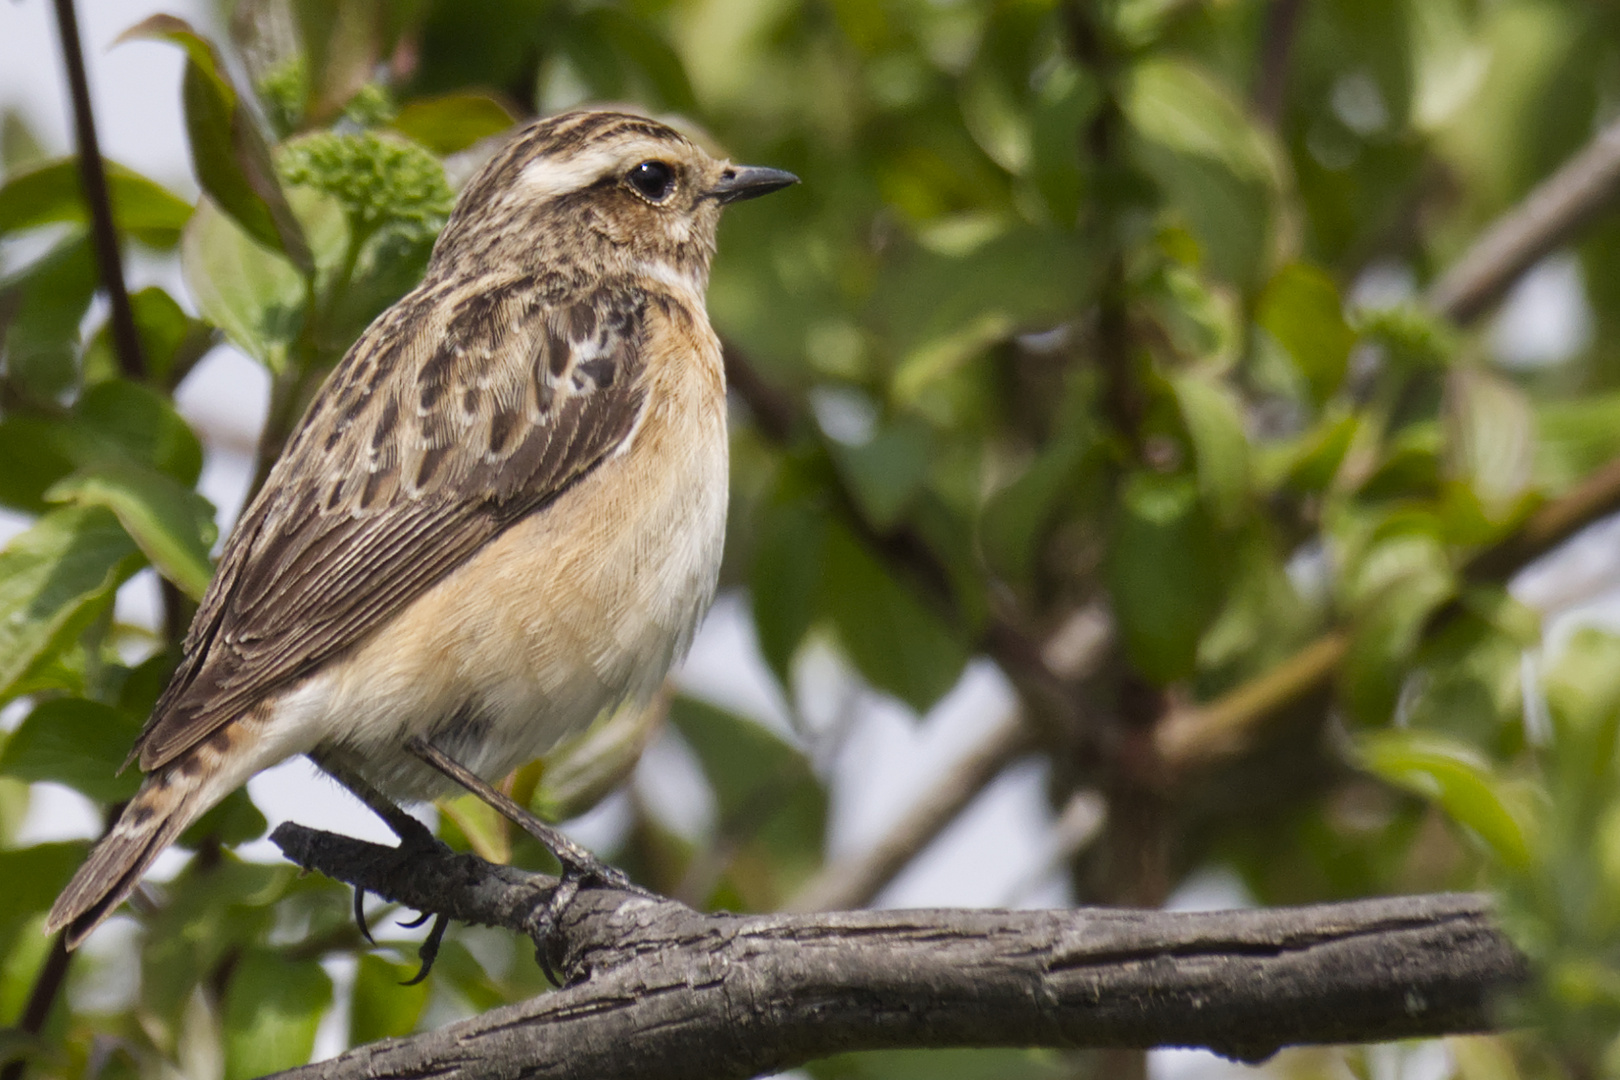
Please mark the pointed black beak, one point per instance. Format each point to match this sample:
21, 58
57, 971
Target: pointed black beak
741, 182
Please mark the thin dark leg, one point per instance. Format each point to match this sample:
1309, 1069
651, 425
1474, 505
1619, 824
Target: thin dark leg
407, 828
573, 857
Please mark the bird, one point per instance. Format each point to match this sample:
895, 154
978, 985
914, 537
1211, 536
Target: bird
501, 516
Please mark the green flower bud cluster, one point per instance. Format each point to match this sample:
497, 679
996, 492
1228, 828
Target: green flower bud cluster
383, 182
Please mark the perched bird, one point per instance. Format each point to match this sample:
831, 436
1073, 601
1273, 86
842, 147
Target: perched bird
501, 516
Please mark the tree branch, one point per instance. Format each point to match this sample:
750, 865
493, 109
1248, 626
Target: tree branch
853, 881
1276, 48
1546, 218
660, 991
93, 180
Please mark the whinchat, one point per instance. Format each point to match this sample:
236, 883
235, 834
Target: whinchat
502, 515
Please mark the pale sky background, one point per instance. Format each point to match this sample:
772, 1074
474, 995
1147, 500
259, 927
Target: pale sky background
998, 853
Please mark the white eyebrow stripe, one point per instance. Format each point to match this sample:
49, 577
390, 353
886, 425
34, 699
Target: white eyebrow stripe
547, 177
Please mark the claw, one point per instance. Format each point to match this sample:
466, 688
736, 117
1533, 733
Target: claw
548, 918
418, 921
429, 949
360, 914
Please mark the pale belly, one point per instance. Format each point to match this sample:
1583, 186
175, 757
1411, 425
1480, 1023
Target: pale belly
564, 616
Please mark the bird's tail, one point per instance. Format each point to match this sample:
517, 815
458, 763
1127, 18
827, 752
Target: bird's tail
169, 800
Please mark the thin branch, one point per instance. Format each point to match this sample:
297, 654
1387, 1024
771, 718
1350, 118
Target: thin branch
93, 180
1546, 218
1276, 49
47, 985
660, 991
853, 881
1193, 736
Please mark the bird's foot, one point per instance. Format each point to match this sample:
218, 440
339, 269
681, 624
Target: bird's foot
579, 867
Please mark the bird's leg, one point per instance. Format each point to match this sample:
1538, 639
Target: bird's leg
409, 829
579, 866
574, 858
412, 834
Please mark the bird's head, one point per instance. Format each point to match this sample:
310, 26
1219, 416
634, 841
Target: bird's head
612, 191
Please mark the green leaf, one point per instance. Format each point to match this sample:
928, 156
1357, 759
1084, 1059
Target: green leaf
45, 304
33, 461
249, 292
33, 877
899, 645
171, 340
1459, 778
228, 152
114, 423
50, 195
886, 473
233, 820
1301, 309
54, 578
1576, 438
940, 311
1490, 439
583, 770
381, 1007
1163, 571
629, 38
1216, 166
75, 742
1214, 419
119, 421
451, 123
766, 793
272, 1008
173, 525
1016, 520
786, 579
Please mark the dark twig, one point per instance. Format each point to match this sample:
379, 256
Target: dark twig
93, 180
47, 985
662, 991
1276, 48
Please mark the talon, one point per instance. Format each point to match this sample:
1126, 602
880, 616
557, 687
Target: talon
360, 914
418, 921
549, 918
429, 950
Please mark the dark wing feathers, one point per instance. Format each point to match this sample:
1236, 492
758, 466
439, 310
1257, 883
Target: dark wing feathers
459, 412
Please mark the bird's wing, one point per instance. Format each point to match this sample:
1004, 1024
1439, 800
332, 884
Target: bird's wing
459, 412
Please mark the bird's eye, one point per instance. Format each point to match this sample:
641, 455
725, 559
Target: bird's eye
654, 179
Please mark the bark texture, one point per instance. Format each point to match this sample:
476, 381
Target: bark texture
657, 990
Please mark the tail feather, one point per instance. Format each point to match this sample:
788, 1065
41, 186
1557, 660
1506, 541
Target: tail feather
167, 802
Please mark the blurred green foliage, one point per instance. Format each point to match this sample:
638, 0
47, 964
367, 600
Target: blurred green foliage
1078, 304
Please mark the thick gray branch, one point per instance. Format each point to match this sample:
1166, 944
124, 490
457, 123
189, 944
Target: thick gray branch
661, 991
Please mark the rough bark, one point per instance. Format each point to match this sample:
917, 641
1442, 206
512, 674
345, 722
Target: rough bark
657, 990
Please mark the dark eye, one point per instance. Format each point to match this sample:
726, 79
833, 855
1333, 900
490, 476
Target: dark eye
653, 179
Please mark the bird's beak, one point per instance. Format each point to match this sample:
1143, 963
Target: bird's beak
741, 182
